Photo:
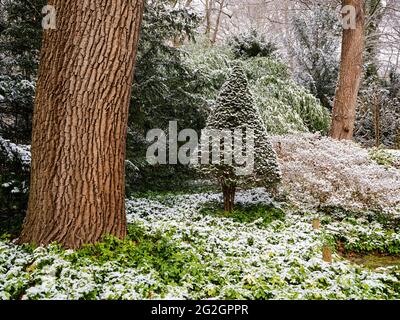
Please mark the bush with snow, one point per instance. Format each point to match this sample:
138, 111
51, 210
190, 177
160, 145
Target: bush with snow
288, 108
235, 110
251, 43
385, 157
315, 49
321, 172
285, 106
16, 107
14, 176
378, 115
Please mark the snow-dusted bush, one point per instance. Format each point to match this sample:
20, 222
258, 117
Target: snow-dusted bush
285, 106
385, 157
212, 64
14, 152
14, 176
251, 43
235, 110
315, 49
320, 172
16, 107
378, 116
288, 108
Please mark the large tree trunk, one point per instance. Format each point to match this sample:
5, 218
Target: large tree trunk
80, 120
351, 65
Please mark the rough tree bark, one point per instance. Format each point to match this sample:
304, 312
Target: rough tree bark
80, 120
351, 65
229, 193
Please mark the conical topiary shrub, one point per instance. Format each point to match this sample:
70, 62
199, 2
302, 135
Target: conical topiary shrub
235, 112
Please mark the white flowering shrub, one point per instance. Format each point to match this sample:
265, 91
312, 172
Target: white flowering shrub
220, 259
321, 172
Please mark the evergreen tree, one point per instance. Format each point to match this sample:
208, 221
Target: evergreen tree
378, 113
21, 37
251, 44
316, 51
234, 110
14, 177
284, 105
20, 40
165, 89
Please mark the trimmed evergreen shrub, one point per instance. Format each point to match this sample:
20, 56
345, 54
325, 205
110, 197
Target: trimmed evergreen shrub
235, 110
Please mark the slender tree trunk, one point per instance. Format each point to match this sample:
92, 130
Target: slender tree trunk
218, 22
229, 193
288, 42
178, 40
351, 65
80, 120
377, 120
374, 10
397, 141
208, 6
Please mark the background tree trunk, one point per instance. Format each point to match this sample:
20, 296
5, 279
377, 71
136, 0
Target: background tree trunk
229, 193
351, 65
377, 120
218, 22
207, 8
77, 192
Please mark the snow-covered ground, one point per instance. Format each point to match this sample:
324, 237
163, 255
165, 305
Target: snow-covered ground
396, 153
282, 260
